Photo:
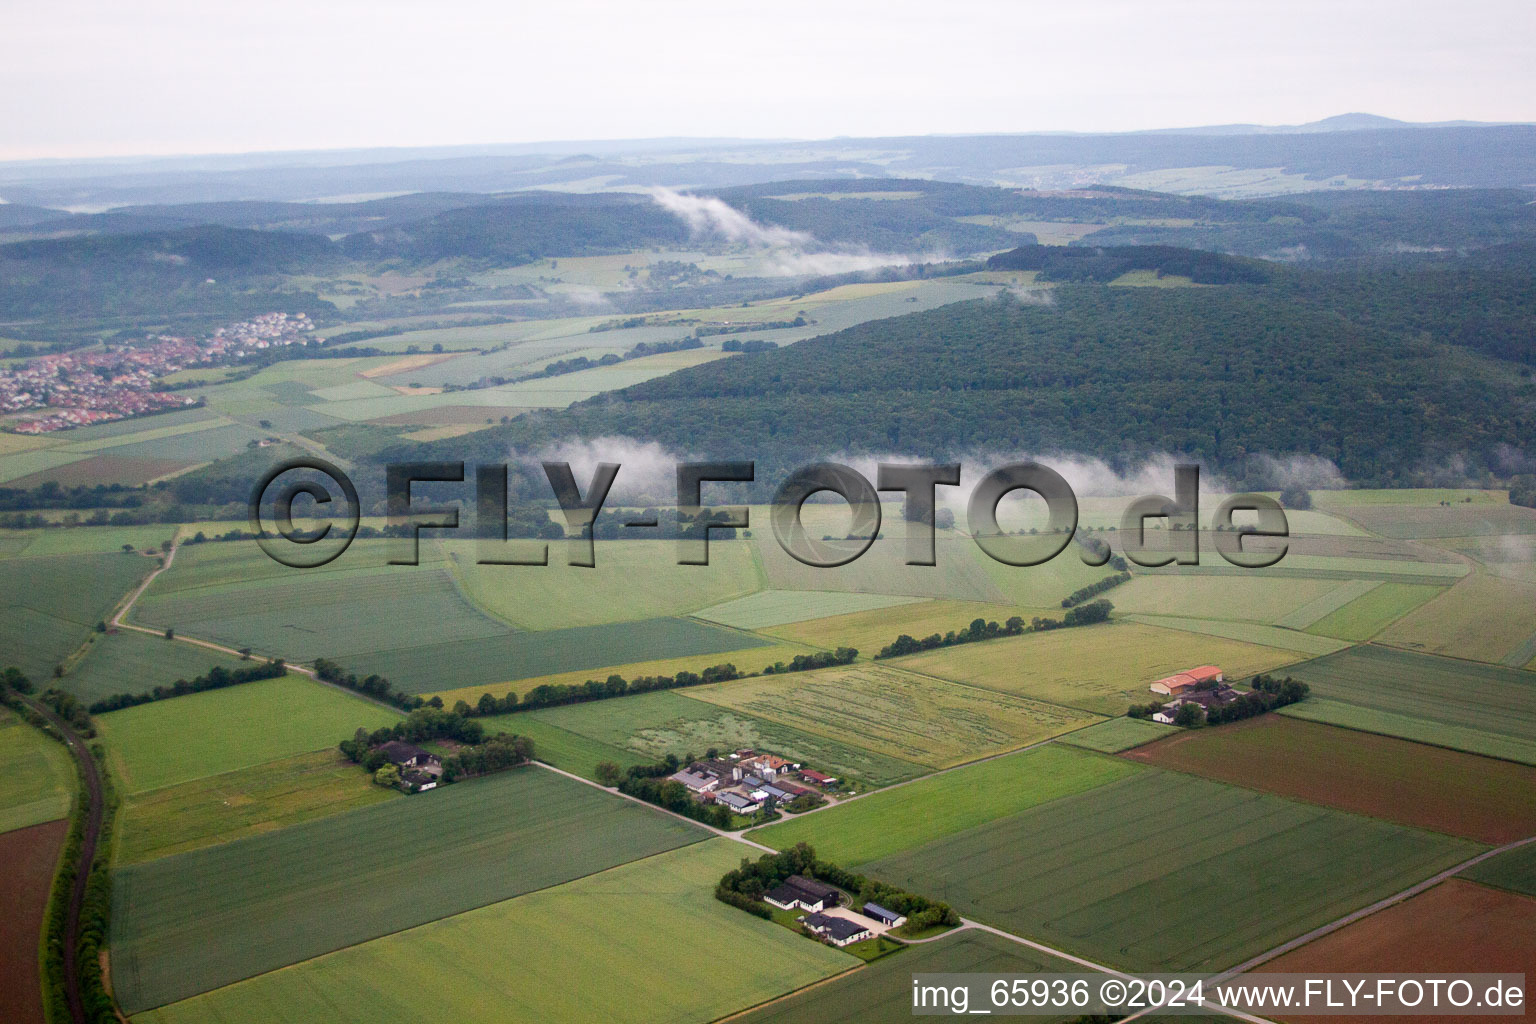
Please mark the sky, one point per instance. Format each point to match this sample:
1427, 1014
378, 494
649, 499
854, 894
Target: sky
90, 78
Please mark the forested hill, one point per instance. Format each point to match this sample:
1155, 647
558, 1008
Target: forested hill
1215, 373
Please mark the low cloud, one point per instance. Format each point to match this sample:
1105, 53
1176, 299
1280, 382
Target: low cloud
787, 253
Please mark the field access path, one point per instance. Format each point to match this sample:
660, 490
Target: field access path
94, 809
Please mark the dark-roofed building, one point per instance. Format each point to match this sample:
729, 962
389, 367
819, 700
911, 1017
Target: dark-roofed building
804, 893
408, 755
837, 930
885, 917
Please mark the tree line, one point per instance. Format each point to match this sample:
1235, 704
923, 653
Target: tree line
215, 678
1082, 594
981, 629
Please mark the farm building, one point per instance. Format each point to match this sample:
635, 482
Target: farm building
1183, 682
817, 777
416, 781
837, 930
886, 917
697, 782
804, 893
1221, 696
408, 755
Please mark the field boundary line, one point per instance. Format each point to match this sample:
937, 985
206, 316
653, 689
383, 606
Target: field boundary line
1366, 911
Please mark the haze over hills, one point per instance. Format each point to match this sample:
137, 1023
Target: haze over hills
1347, 151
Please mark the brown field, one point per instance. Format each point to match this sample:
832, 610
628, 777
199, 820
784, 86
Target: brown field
1456, 926
30, 856
1429, 787
105, 469
405, 363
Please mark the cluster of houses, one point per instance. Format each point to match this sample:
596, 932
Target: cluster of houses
825, 917
1205, 686
746, 780
419, 769
97, 385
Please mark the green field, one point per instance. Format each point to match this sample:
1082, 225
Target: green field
488, 662
301, 616
133, 662
1484, 709
656, 724
868, 631
1483, 617
894, 820
184, 738
245, 802
51, 604
882, 992
639, 579
777, 607
201, 920
900, 714
88, 539
1373, 611
562, 748
1457, 520
39, 780
1141, 873
1118, 734
1302, 644
1252, 598
605, 947
1514, 870
959, 575
1102, 669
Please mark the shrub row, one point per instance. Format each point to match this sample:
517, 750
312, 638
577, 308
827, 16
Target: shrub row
1082, 594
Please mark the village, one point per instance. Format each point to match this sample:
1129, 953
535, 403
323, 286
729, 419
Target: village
100, 385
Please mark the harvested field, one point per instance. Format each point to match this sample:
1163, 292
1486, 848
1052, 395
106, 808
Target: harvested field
30, 856
1303, 644
1483, 617
1455, 927
1442, 790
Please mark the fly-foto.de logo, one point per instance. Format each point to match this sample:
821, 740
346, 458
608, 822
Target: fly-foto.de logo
275, 495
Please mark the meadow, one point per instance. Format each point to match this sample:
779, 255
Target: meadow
1102, 669
1118, 734
52, 603
133, 662
778, 607
881, 993
666, 722
959, 573
1514, 870
513, 962
1373, 611
894, 820
1140, 873
1483, 709
564, 749
1448, 791
900, 714
1484, 617
217, 731
202, 920
39, 780
245, 802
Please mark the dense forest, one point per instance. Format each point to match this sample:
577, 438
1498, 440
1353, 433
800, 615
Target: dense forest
1372, 372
